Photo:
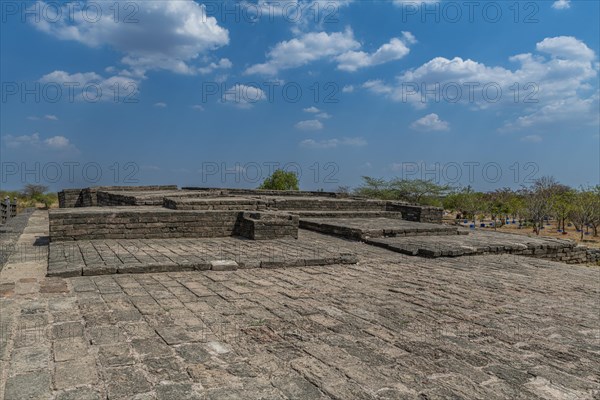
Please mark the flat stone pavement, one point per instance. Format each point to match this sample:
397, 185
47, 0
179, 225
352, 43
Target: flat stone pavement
103, 257
475, 242
362, 228
390, 327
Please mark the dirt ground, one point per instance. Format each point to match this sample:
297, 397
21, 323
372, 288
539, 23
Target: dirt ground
549, 230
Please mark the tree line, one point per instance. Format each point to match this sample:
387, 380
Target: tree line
532, 205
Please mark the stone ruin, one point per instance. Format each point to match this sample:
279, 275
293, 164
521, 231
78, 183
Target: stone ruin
105, 230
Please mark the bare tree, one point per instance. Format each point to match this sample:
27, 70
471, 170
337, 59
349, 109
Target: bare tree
31, 191
540, 199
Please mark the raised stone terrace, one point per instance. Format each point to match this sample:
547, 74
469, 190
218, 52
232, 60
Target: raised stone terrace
229, 216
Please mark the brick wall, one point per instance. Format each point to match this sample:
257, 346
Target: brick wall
156, 223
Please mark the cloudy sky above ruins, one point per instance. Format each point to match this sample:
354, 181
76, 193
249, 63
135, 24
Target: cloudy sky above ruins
212, 93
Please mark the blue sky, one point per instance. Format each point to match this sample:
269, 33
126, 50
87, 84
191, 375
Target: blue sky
489, 94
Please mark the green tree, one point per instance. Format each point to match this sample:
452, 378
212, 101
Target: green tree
562, 203
281, 180
416, 191
466, 201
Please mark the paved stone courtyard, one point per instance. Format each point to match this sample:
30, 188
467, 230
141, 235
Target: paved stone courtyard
101, 257
391, 326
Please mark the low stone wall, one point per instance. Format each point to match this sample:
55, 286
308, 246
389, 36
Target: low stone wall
133, 198
215, 203
268, 225
593, 256
324, 204
157, 222
87, 197
573, 255
139, 223
260, 192
417, 213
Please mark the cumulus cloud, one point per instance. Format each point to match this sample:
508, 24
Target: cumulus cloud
57, 142
300, 12
305, 49
166, 35
160, 104
92, 88
553, 83
416, 3
243, 96
223, 63
309, 125
34, 141
348, 89
312, 109
561, 4
430, 123
341, 47
394, 50
333, 143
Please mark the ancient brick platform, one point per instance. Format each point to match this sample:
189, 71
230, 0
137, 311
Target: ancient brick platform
101, 257
485, 242
298, 202
363, 228
157, 222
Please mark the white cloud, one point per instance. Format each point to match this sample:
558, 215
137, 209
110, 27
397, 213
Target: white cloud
571, 109
415, 3
165, 34
197, 107
49, 117
348, 89
531, 138
160, 104
341, 47
34, 141
312, 109
243, 96
302, 12
557, 78
394, 50
430, 123
561, 4
309, 125
91, 87
378, 86
333, 143
223, 63
57, 142
323, 115
305, 49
